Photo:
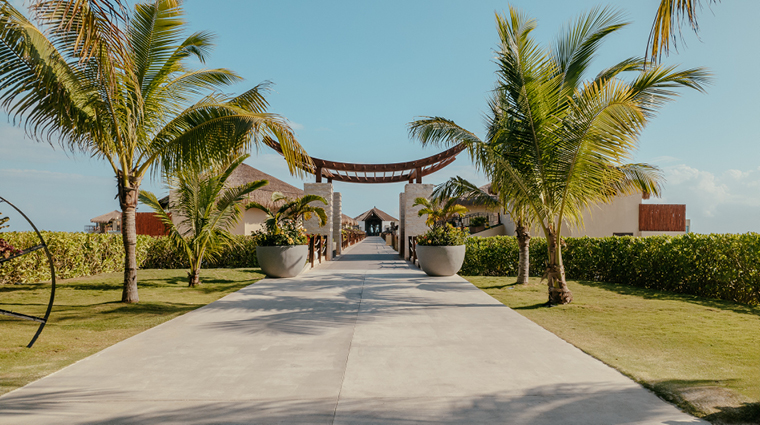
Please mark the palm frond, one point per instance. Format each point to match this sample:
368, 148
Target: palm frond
667, 25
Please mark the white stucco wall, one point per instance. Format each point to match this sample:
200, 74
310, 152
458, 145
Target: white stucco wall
499, 230
621, 216
252, 221
413, 224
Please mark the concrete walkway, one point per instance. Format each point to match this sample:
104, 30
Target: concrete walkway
363, 340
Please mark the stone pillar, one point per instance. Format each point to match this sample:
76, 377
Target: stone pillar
337, 206
312, 226
401, 233
413, 224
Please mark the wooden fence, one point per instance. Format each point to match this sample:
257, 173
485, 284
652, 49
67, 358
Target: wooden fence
351, 238
413, 250
662, 218
147, 223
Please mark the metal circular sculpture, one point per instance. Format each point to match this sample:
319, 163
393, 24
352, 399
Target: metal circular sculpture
41, 245
376, 173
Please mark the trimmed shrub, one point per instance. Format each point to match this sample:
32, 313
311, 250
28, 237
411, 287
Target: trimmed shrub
724, 266
162, 254
87, 254
74, 255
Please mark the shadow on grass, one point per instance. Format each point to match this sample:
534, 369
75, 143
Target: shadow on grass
532, 307
747, 413
652, 294
22, 287
508, 285
704, 395
116, 308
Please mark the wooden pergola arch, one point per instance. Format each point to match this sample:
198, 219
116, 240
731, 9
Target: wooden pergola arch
412, 171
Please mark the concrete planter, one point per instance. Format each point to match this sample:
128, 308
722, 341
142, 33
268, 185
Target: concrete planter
282, 261
441, 260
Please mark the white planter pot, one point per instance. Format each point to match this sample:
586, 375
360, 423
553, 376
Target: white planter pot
282, 261
441, 260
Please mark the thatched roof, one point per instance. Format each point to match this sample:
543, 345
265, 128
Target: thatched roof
107, 218
380, 213
344, 219
246, 174
470, 203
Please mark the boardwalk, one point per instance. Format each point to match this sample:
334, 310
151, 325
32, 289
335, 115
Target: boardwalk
364, 340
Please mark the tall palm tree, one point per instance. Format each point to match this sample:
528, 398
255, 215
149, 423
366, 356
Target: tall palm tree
116, 85
439, 211
559, 143
671, 13
207, 209
458, 187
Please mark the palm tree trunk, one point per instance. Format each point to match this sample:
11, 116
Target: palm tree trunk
523, 261
128, 203
194, 277
555, 272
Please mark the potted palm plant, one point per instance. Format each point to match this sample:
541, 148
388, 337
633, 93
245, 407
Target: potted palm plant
441, 249
282, 247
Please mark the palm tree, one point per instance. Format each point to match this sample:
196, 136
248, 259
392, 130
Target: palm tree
556, 143
117, 86
458, 187
292, 211
671, 13
439, 211
206, 209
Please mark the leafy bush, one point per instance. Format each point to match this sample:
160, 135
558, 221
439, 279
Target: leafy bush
83, 254
447, 235
7, 250
718, 265
74, 255
290, 233
478, 221
163, 254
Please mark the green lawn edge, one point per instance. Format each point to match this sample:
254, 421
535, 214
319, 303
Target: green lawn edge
699, 354
88, 316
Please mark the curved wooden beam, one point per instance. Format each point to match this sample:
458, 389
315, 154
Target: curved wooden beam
399, 171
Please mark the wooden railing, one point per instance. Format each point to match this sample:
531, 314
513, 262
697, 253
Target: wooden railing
413, 250
351, 238
318, 245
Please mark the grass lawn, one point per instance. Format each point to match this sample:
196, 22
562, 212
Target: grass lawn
88, 317
701, 354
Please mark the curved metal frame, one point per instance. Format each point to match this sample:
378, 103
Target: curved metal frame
42, 245
399, 172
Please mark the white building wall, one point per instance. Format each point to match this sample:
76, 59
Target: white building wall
251, 221
413, 224
620, 216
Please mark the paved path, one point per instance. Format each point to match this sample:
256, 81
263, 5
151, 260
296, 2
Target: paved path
364, 340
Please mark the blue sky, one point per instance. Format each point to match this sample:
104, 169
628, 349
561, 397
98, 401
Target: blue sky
351, 75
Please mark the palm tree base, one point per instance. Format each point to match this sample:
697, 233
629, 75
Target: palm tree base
194, 278
560, 296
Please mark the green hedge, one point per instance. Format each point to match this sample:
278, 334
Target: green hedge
162, 254
74, 255
724, 266
83, 254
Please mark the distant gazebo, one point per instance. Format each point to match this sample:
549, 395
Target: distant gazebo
375, 221
106, 223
